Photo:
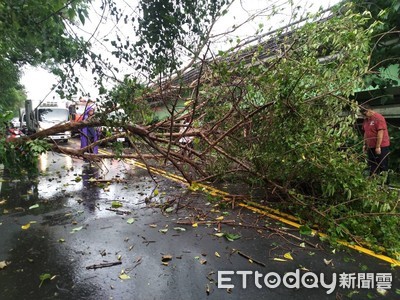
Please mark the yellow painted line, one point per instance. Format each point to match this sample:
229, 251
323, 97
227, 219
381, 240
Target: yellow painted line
264, 210
272, 211
314, 232
272, 216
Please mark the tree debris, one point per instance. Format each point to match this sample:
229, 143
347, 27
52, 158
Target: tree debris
249, 258
103, 265
119, 212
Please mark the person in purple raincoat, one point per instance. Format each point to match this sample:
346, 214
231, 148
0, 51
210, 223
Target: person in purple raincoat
89, 135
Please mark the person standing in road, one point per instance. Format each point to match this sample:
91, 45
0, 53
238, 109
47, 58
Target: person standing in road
89, 135
376, 140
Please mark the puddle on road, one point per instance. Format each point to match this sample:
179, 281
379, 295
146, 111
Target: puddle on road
68, 195
66, 182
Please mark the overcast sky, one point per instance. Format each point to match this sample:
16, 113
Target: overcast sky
38, 82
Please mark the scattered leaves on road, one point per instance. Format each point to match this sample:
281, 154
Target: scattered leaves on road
130, 221
217, 254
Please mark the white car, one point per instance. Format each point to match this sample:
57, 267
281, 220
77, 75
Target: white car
15, 122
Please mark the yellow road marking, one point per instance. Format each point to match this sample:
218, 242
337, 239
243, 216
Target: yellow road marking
264, 210
314, 232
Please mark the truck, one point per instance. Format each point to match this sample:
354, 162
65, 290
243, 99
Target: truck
44, 116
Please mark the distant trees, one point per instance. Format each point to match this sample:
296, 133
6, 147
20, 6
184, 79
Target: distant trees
385, 39
35, 33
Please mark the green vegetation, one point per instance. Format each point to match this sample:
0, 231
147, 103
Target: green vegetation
298, 140
35, 33
385, 40
281, 120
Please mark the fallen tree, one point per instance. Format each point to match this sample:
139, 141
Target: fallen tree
282, 122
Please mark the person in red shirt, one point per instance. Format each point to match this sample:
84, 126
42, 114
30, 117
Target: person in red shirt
376, 140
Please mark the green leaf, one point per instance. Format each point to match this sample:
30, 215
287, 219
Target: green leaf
34, 206
130, 221
76, 229
382, 292
116, 204
305, 230
352, 293
44, 277
219, 234
169, 209
124, 276
194, 187
81, 17
232, 237
179, 229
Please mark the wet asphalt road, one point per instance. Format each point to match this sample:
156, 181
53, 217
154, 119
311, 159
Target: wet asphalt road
75, 228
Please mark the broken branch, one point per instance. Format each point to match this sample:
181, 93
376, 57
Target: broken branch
103, 265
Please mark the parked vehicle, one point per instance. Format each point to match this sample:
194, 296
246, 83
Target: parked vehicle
15, 122
43, 117
13, 133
